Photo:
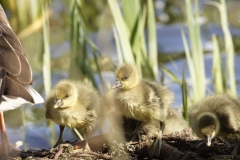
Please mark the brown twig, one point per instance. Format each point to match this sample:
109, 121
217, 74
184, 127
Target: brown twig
60, 151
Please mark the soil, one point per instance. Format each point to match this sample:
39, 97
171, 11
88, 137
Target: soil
176, 146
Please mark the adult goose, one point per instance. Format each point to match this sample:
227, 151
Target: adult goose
15, 79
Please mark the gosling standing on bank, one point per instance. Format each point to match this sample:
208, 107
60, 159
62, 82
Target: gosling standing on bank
73, 104
142, 100
216, 115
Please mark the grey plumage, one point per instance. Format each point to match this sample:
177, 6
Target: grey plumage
216, 115
174, 122
15, 78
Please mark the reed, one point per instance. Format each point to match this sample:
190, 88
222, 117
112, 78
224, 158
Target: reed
133, 45
82, 48
194, 54
46, 54
229, 48
218, 77
185, 99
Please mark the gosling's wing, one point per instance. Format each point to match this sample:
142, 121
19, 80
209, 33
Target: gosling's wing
165, 95
159, 97
12, 56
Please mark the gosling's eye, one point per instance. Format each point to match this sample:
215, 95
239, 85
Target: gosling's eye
125, 78
66, 96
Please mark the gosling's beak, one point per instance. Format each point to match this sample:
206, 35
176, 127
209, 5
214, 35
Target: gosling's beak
58, 104
116, 84
208, 140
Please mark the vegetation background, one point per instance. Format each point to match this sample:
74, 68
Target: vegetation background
188, 45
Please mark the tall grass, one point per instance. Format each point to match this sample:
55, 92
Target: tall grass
129, 31
229, 49
185, 99
82, 48
218, 77
46, 54
194, 55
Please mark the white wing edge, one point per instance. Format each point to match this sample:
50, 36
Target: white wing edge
12, 102
35, 95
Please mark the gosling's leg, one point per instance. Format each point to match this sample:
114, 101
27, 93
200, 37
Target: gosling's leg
86, 146
155, 148
78, 134
60, 140
136, 136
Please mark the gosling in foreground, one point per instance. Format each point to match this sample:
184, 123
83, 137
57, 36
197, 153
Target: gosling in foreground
214, 116
142, 100
73, 104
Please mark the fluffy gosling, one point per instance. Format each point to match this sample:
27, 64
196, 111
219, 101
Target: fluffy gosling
214, 116
174, 122
73, 104
142, 100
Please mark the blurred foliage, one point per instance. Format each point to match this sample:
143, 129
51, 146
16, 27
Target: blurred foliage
46, 54
97, 14
185, 99
194, 54
174, 12
229, 48
219, 80
133, 45
213, 15
82, 47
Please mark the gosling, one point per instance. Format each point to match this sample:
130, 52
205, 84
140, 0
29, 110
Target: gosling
75, 105
174, 122
214, 116
142, 100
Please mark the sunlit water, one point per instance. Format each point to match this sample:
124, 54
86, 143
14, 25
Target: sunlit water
28, 123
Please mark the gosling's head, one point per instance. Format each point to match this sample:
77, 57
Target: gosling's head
127, 77
65, 94
208, 126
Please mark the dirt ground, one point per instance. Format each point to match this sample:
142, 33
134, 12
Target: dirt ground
176, 146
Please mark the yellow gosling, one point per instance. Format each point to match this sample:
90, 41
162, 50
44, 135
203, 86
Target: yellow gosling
73, 104
142, 100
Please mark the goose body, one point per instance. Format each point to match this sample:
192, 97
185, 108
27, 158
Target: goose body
15, 80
